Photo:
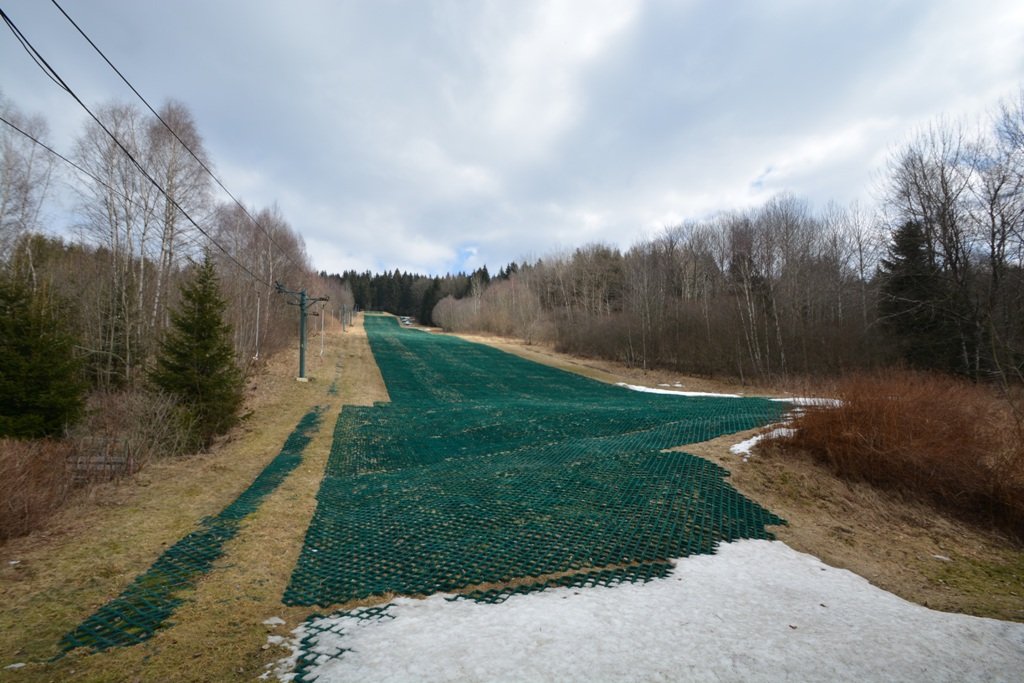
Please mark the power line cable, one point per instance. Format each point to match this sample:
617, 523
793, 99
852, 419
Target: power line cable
63, 158
175, 134
55, 77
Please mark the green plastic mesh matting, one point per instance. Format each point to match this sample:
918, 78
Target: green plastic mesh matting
598, 577
489, 469
148, 603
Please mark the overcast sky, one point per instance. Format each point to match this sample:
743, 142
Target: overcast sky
437, 136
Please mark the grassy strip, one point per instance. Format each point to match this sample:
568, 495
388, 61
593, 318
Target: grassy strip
148, 603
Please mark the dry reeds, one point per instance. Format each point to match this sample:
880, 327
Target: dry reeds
936, 438
120, 433
130, 427
34, 481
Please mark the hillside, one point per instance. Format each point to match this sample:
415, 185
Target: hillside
54, 579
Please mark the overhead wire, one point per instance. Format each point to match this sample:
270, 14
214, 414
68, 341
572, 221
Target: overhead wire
63, 158
56, 78
175, 134
86, 172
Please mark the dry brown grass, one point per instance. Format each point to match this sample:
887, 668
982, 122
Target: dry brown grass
613, 372
34, 481
934, 438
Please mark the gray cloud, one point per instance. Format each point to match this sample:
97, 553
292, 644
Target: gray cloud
436, 135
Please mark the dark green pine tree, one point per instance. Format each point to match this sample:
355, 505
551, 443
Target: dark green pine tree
196, 361
42, 389
430, 299
915, 302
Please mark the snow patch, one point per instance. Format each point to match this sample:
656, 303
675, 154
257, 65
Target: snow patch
673, 392
810, 401
743, 448
273, 621
756, 610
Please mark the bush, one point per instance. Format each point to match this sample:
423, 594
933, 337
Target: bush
128, 428
34, 481
121, 431
936, 438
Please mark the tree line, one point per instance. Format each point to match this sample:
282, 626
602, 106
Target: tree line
934, 278
409, 294
769, 291
111, 291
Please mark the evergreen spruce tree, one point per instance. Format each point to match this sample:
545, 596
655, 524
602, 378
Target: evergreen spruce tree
196, 361
430, 299
915, 302
42, 390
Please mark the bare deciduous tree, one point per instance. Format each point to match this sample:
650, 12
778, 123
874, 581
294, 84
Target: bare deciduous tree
26, 172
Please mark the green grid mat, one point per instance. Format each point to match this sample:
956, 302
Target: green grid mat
148, 603
641, 573
486, 468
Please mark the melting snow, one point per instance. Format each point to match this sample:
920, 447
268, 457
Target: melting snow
673, 392
756, 610
743, 447
809, 401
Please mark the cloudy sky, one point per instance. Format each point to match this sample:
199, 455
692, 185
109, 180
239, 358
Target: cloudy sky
440, 135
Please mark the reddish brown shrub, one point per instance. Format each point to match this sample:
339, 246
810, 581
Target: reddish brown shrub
936, 438
119, 434
34, 481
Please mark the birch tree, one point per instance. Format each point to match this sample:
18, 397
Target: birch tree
26, 176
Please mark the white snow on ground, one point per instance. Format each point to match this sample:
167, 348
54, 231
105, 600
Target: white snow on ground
807, 401
756, 610
795, 400
673, 392
743, 447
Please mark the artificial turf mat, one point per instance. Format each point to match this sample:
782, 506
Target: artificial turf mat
486, 470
